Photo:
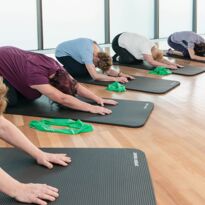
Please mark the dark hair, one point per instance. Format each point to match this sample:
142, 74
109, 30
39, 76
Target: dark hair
105, 61
199, 49
63, 81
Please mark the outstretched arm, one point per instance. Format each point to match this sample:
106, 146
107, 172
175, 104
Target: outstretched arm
155, 63
170, 63
26, 193
119, 74
69, 100
194, 56
84, 92
11, 134
102, 77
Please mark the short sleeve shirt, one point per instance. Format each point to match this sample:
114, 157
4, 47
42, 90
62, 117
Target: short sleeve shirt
136, 44
23, 69
80, 49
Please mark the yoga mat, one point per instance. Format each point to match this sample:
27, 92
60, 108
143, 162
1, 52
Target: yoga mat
95, 176
126, 113
143, 84
186, 70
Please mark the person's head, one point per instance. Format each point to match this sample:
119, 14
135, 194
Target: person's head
157, 54
63, 81
199, 49
3, 100
104, 61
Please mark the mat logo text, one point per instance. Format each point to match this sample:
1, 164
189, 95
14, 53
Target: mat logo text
136, 162
146, 106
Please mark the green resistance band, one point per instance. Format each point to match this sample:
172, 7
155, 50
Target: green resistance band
160, 70
116, 86
73, 127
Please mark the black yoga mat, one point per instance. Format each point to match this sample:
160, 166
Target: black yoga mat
186, 70
165, 53
144, 84
95, 177
126, 113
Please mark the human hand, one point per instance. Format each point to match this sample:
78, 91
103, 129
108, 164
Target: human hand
172, 67
100, 110
35, 193
121, 79
102, 101
48, 159
179, 66
109, 102
129, 77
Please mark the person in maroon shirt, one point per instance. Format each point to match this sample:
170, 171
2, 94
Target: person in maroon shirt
30, 75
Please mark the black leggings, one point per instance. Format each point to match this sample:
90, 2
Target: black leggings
75, 68
14, 97
124, 56
179, 47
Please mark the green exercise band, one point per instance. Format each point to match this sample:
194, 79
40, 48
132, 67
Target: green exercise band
116, 86
73, 127
160, 70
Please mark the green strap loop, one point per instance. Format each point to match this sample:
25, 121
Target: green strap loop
160, 70
73, 127
116, 86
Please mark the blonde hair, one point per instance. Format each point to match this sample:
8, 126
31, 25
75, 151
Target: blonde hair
3, 99
104, 62
157, 54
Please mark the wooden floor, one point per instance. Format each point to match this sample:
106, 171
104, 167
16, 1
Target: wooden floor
173, 138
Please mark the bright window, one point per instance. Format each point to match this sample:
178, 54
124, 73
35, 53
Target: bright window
132, 16
64, 20
174, 15
18, 24
200, 16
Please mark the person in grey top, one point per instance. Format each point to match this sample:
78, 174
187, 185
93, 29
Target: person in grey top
187, 44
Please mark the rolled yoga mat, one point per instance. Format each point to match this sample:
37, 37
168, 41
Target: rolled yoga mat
95, 176
143, 84
127, 113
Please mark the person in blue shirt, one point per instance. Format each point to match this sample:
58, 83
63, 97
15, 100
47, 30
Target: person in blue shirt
81, 56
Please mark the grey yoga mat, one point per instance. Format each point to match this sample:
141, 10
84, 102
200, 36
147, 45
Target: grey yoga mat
186, 70
95, 176
140, 83
126, 113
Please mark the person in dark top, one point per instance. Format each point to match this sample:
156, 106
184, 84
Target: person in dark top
30, 75
187, 44
26, 192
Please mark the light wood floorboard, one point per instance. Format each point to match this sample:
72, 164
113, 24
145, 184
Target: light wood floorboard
173, 138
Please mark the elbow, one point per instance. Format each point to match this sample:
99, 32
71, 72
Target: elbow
94, 77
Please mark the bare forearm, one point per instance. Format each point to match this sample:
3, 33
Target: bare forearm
195, 57
157, 63
7, 184
11, 134
84, 92
102, 77
167, 62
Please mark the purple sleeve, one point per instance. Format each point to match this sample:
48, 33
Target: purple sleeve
37, 79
